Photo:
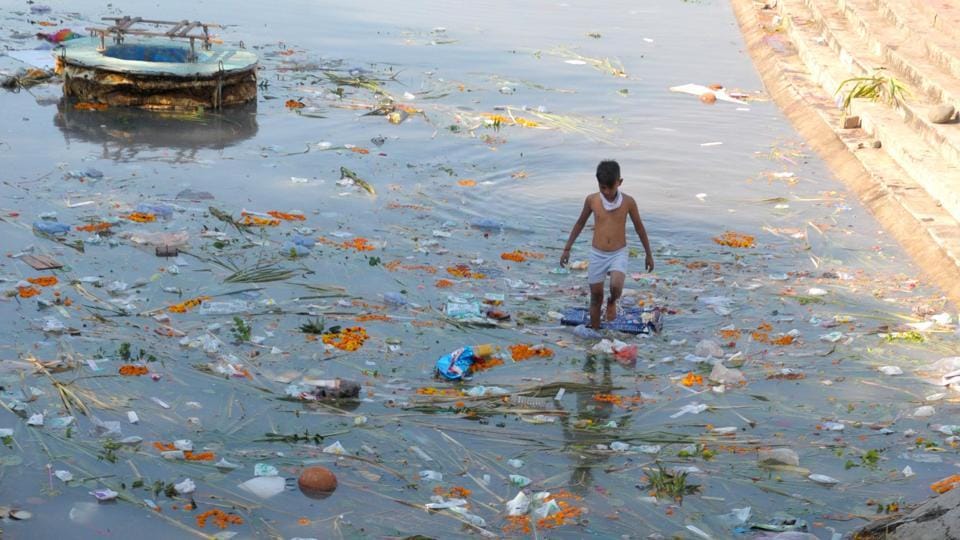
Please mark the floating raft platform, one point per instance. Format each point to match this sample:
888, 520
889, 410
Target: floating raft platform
156, 70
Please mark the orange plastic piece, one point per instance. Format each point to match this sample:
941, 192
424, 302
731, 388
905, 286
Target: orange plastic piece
945, 485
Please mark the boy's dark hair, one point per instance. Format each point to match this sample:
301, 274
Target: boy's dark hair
608, 172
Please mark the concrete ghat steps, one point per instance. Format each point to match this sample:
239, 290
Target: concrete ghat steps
926, 230
908, 58
905, 55
920, 27
818, 47
941, 15
838, 34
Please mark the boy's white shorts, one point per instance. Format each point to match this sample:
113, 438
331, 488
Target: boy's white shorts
604, 262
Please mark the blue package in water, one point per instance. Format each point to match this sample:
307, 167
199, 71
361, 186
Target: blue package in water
455, 365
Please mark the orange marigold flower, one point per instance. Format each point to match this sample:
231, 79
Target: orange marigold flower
348, 339
620, 401
256, 221
785, 339
287, 217
220, 518
444, 283
187, 305
691, 379
27, 292
294, 104
523, 351
133, 370
518, 255
483, 364
199, 456
735, 240
95, 227
359, 244
164, 447
43, 281
515, 256
464, 271
431, 391
733, 334
141, 217
372, 317
518, 524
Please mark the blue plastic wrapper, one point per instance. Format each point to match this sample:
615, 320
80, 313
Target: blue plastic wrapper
294, 249
395, 298
486, 223
455, 365
51, 227
165, 211
305, 241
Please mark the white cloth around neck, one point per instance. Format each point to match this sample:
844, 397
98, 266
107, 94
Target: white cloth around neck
611, 206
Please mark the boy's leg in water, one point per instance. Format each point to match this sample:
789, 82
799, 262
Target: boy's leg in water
596, 300
616, 289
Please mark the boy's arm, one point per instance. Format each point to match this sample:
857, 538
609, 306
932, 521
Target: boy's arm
577, 229
642, 233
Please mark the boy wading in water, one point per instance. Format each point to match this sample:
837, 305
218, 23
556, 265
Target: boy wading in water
609, 253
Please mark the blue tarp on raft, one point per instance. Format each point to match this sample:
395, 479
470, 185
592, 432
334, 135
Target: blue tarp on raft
630, 321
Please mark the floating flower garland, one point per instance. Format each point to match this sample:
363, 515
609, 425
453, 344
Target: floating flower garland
348, 339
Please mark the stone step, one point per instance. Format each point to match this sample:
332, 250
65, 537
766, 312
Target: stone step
902, 139
900, 52
920, 26
940, 15
927, 231
906, 61
836, 33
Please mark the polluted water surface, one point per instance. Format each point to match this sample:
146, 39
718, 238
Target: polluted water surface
229, 323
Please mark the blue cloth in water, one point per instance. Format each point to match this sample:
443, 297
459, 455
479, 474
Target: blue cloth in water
629, 320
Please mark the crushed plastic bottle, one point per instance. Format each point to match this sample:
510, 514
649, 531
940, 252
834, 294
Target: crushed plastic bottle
585, 332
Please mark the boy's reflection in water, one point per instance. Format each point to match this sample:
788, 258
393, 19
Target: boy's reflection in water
583, 428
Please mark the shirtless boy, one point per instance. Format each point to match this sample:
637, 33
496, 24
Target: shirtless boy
609, 253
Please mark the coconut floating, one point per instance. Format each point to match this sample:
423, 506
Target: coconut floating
708, 97
317, 482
